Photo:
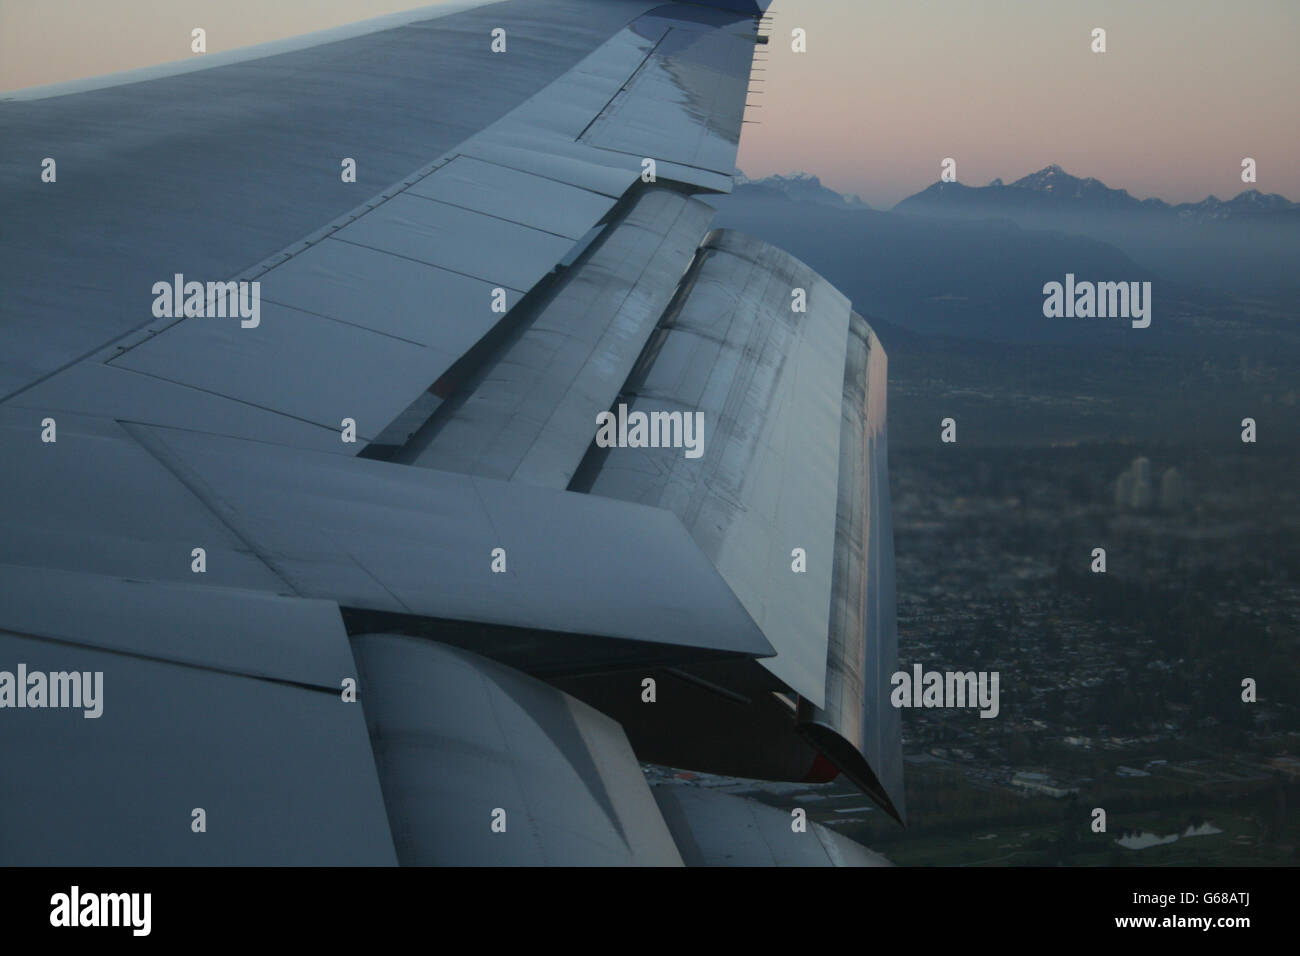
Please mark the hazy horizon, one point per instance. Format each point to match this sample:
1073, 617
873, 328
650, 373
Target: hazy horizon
1006, 180
884, 93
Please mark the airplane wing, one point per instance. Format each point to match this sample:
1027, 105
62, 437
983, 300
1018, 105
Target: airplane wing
312, 550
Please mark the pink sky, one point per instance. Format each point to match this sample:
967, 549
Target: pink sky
887, 88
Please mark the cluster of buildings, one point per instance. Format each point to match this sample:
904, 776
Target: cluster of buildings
1137, 490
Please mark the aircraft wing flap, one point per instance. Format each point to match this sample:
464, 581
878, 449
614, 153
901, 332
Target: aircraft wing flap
529, 416
384, 537
857, 727
766, 380
721, 829
482, 765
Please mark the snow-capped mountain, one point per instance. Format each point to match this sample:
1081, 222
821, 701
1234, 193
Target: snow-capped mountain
1051, 191
801, 187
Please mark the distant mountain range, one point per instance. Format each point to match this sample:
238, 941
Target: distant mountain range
980, 279
1247, 245
968, 270
1052, 196
800, 187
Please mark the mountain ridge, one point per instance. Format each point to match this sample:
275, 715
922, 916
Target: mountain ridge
1052, 186
801, 187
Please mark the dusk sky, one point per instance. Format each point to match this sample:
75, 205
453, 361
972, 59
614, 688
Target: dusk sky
886, 90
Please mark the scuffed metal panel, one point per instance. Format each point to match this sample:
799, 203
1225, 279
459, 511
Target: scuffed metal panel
883, 743
458, 737
857, 727
363, 533
96, 501
386, 537
362, 311
505, 193
108, 391
416, 264
681, 105
211, 171
540, 135
301, 365
253, 633
718, 829
530, 415
390, 294
487, 248
538, 151
685, 104
225, 701
768, 382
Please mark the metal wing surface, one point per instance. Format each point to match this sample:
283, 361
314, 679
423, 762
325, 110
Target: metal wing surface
309, 553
